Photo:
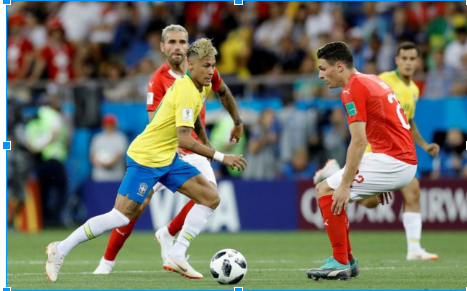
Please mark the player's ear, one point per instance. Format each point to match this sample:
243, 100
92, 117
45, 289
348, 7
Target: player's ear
162, 47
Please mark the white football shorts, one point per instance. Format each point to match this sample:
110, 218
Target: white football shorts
377, 173
199, 162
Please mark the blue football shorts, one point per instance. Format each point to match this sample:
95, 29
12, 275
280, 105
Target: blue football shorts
139, 180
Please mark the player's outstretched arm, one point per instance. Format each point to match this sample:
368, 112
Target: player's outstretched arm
228, 101
432, 148
185, 140
355, 153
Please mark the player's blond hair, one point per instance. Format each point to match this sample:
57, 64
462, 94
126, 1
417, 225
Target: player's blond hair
201, 49
173, 27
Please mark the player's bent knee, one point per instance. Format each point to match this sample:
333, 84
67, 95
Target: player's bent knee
369, 202
322, 189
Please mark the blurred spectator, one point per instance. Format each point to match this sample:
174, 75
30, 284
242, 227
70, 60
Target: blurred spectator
47, 136
336, 135
262, 148
373, 24
58, 56
298, 127
289, 56
308, 86
441, 30
370, 67
37, 33
318, 22
19, 50
154, 54
357, 47
452, 159
219, 139
78, 17
439, 78
144, 72
381, 52
107, 151
118, 88
422, 12
300, 168
456, 49
18, 164
298, 28
400, 31
272, 30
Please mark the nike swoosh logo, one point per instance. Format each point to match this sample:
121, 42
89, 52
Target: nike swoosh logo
183, 269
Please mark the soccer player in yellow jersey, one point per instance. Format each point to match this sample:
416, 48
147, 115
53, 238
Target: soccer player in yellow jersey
407, 93
152, 158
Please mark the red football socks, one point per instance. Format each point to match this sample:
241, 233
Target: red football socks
349, 248
336, 227
177, 223
117, 239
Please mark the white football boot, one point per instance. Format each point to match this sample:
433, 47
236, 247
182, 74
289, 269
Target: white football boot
331, 167
421, 255
166, 241
182, 267
54, 261
105, 267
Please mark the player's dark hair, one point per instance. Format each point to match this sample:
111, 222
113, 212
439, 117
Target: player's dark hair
408, 45
337, 51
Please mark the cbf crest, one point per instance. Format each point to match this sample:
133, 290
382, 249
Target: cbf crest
142, 189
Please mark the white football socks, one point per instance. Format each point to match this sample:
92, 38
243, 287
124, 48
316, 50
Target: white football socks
413, 229
93, 228
194, 223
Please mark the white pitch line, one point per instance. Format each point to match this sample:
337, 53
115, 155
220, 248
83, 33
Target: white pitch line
251, 270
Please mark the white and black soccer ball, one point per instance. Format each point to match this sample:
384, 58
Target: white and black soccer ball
228, 267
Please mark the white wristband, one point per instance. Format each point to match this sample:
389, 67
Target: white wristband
218, 156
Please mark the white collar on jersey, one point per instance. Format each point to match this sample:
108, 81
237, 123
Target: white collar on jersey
173, 74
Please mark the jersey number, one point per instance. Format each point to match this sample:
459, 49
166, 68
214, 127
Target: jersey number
400, 111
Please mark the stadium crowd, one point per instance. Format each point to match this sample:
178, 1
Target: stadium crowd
54, 46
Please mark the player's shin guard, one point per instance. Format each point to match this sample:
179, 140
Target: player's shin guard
117, 238
336, 227
177, 223
93, 228
194, 223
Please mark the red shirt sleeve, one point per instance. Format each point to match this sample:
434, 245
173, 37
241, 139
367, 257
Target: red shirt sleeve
156, 92
354, 100
216, 81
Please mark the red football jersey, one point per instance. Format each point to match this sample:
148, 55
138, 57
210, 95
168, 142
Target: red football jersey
16, 49
162, 79
59, 61
368, 98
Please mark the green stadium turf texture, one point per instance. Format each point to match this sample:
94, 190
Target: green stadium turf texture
276, 260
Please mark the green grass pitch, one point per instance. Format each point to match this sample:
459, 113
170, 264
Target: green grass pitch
276, 260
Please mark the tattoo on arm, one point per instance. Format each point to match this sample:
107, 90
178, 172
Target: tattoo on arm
199, 130
194, 145
229, 103
184, 130
133, 206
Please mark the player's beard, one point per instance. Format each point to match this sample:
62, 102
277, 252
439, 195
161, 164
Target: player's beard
176, 62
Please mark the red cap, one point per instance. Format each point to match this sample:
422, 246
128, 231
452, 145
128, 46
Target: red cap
17, 19
109, 119
54, 23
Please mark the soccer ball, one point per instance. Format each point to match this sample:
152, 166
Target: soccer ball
228, 267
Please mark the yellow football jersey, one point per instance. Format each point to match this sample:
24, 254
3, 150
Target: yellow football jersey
406, 94
155, 147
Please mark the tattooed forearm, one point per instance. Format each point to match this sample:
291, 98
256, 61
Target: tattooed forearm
199, 130
133, 206
194, 145
229, 103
